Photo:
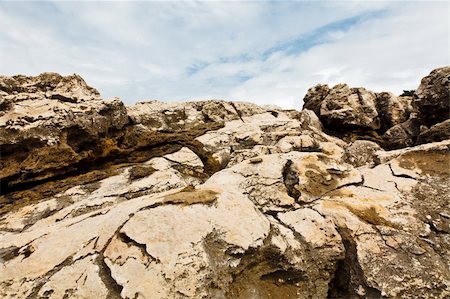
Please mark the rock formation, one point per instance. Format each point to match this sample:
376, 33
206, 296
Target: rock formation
217, 199
392, 121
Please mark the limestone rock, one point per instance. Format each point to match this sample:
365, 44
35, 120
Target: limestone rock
67, 89
178, 116
350, 107
315, 96
437, 132
393, 110
391, 121
41, 134
361, 152
309, 119
402, 135
433, 96
217, 199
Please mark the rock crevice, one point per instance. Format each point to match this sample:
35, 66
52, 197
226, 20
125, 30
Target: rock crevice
348, 198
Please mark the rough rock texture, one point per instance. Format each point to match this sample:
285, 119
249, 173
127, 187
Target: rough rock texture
315, 96
402, 135
393, 110
345, 107
437, 132
392, 121
433, 96
214, 199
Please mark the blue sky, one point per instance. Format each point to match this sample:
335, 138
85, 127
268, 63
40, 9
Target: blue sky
267, 52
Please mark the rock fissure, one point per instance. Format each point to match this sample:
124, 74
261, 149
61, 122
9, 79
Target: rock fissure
142, 247
223, 199
114, 288
291, 180
349, 280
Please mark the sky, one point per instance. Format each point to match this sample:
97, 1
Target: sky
266, 52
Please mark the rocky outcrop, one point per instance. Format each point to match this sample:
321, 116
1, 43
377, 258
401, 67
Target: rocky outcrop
392, 121
344, 107
43, 136
433, 96
437, 132
315, 96
216, 199
72, 89
402, 135
393, 110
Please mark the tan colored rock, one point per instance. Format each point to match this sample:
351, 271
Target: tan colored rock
392, 121
309, 119
177, 116
81, 280
433, 96
361, 152
316, 230
437, 132
314, 98
393, 110
217, 199
187, 158
349, 107
402, 135
41, 133
51, 85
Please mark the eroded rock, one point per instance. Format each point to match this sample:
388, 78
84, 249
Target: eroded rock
391, 121
433, 96
346, 107
437, 132
216, 199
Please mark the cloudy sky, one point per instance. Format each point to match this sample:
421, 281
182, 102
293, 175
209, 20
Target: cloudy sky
267, 52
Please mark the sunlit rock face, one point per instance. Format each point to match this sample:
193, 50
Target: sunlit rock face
392, 121
217, 199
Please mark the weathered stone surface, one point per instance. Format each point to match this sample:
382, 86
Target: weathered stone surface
180, 116
361, 152
350, 108
216, 199
437, 132
346, 107
51, 85
42, 136
391, 121
402, 135
41, 133
315, 96
433, 96
393, 110
309, 120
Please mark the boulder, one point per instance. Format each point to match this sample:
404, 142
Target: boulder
356, 113
346, 107
315, 96
433, 96
437, 132
393, 110
402, 135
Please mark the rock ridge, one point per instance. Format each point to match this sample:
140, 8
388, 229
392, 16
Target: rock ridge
392, 121
348, 198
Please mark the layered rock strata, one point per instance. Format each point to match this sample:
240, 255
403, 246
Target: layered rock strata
219, 199
392, 121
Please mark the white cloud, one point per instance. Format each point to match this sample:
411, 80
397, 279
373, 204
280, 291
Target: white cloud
265, 52
390, 53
